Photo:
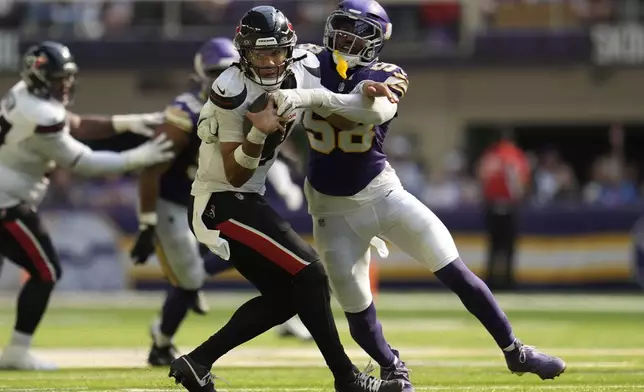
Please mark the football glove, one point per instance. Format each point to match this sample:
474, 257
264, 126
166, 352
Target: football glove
207, 127
144, 245
149, 153
141, 124
287, 101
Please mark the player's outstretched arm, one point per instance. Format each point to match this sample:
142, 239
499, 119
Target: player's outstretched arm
101, 127
355, 107
56, 143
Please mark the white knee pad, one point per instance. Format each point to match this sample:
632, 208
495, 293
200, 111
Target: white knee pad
349, 282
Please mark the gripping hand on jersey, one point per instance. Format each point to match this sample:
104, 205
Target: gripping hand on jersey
141, 124
372, 89
287, 101
267, 121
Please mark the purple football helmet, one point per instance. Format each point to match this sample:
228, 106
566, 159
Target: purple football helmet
214, 56
357, 29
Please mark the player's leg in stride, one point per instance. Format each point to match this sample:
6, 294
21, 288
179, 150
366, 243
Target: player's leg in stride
24, 241
418, 232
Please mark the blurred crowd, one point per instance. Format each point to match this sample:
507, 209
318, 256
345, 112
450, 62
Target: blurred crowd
443, 20
610, 181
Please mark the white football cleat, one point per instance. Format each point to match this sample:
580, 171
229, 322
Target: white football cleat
19, 358
294, 327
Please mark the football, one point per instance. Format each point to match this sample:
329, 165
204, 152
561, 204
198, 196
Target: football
273, 140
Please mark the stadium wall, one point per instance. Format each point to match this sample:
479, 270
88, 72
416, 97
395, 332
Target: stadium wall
559, 248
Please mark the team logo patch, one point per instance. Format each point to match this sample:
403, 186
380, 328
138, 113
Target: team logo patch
210, 211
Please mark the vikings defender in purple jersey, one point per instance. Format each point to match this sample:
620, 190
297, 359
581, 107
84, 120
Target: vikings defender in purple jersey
356, 152
355, 197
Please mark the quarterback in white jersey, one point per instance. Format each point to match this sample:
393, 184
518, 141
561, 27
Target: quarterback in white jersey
37, 134
355, 196
230, 215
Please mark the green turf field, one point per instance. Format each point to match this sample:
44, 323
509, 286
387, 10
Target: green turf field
101, 343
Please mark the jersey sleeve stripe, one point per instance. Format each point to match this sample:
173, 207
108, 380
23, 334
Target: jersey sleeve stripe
46, 129
228, 103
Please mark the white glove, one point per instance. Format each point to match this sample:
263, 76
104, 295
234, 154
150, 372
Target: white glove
287, 101
294, 198
150, 153
141, 124
208, 125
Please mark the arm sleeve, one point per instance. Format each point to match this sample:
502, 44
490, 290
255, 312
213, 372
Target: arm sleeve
230, 125
357, 107
68, 152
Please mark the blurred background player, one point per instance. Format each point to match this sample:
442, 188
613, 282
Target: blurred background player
36, 135
504, 173
164, 192
351, 207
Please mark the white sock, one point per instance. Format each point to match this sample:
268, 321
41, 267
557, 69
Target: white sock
510, 348
21, 339
160, 339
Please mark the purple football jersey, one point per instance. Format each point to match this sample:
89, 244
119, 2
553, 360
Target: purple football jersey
176, 182
343, 162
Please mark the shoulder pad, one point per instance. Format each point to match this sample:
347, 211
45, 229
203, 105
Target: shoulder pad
392, 75
229, 90
310, 62
37, 110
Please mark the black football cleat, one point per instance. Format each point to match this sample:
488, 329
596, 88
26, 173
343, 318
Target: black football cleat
398, 371
193, 376
363, 382
162, 356
527, 359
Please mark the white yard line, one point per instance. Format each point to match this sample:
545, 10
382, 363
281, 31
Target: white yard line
385, 301
310, 357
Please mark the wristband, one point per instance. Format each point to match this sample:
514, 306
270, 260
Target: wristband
256, 136
245, 160
148, 218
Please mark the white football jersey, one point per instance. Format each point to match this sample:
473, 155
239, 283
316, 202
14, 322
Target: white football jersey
235, 93
34, 137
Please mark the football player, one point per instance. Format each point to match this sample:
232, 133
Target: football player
164, 192
229, 214
37, 133
355, 197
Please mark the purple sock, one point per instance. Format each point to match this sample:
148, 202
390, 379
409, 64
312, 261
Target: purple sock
366, 330
175, 308
478, 299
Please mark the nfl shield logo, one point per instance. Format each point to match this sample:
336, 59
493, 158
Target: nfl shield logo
340, 87
321, 222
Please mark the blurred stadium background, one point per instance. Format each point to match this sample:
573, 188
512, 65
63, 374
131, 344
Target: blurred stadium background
562, 78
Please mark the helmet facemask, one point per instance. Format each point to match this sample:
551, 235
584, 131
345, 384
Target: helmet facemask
267, 66
356, 39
